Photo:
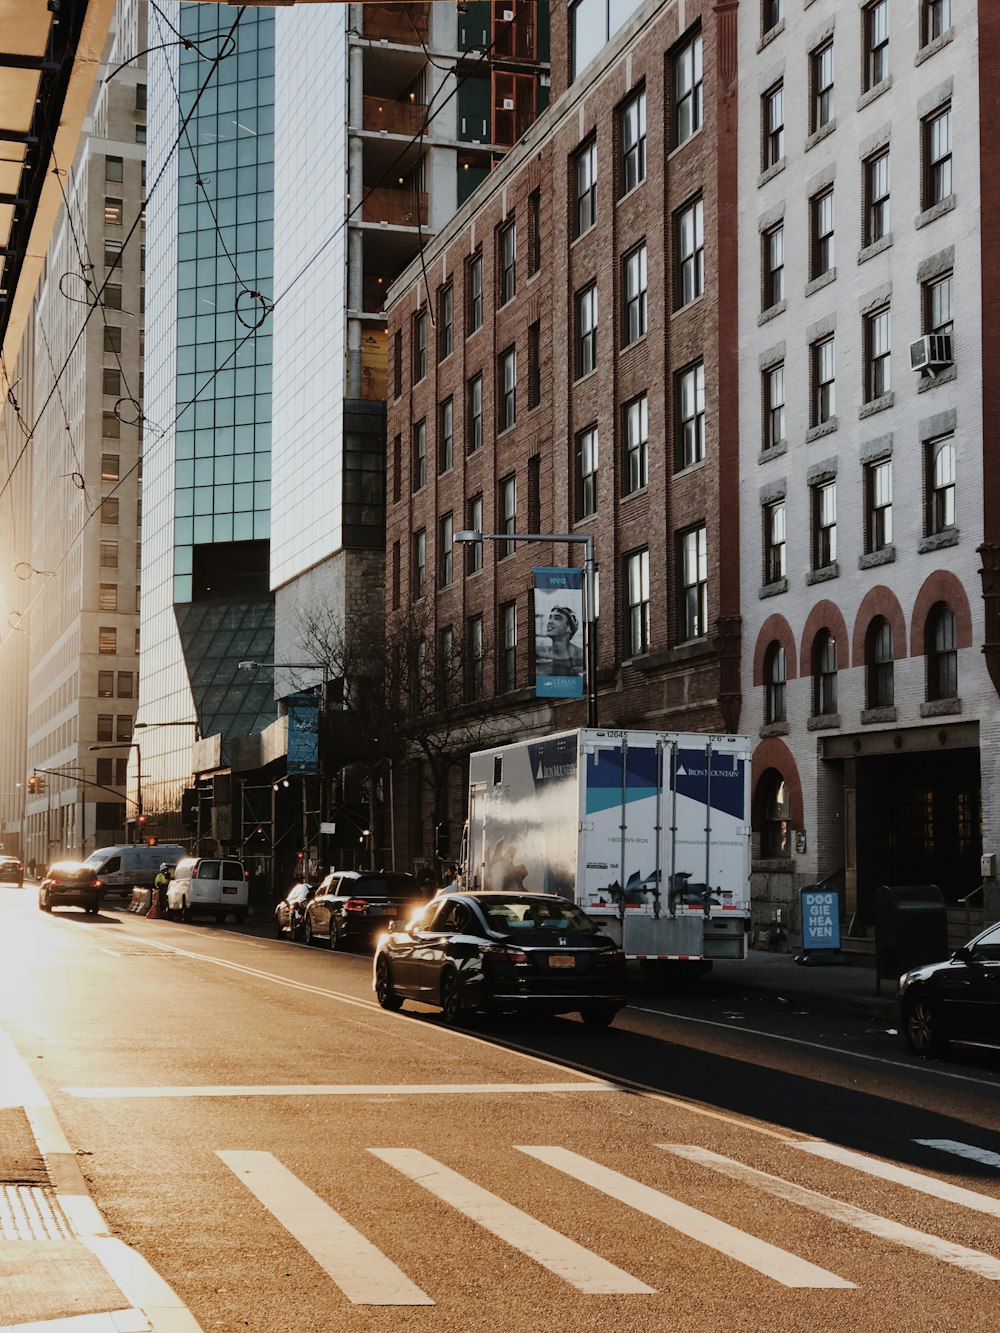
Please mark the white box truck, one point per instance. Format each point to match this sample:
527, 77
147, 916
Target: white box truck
647, 831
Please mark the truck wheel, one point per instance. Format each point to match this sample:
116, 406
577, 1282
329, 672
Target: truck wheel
384, 991
598, 1016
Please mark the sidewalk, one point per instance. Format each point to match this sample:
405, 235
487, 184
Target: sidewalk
842, 982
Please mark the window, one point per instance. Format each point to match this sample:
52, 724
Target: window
939, 485
534, 231
585, 188
107, 640
474, 550
879, 690
876, 29
474, 658
878, 378
397, 363
688, 75
445, 666
773, 400
942, 654
586, 331
112, 253
876, 188
633, 130
109, 555
508, 515
108, 598
111, 297
773, 257
109, 510
507, 657
694, 583
824, 516
535, 364
825, 675
775, 679
878, 505
474, 288
821, 78
105, 727
125, 684
111, 426
123, 727
772, 115
937, 177
824, 403
635, 443
419, 345
936, 304
112, 212
140, 97
507, 390
586, 473
446, 550
418, 455
507, 261
637, 599
396, 579
689, 233
474, 414
446, 322
419, 569
534, 493
771, 14
105, 772
690, 399
121, 772
112, 338
775, 839
936, 19
397, 468
821, 220
446, 435
634, 311
774, 541
105, 684
113, 168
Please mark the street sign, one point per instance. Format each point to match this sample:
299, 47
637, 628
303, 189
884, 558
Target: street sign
820, 919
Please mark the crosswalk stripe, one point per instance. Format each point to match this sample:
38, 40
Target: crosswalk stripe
974, 1261
362, 1272
773, 1262
967, 1150
900, 1175
580, 1267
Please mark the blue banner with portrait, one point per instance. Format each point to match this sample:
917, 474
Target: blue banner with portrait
303, 734
559, 628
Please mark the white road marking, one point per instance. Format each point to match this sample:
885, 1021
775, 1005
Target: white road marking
342, 1090
972, 1154
362, 1272
936, 1247
773, 1262
900, 1175
580, 1267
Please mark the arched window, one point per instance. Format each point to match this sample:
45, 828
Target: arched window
774, 684
775, 829
878, 664
824, 674
942, 653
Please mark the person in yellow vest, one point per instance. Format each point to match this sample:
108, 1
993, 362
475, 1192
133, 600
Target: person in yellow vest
160, 886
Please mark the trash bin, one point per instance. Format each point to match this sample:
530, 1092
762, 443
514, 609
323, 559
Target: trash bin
911, 927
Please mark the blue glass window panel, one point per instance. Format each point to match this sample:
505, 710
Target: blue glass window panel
183, 560
244, 411
224, 412
203, 444
203, 530
242, 498
244, 440
262, 467
223, 500
183, 472
223, 438
222, 528
243, 527
182, 588
184, 502
224, 472
203, 472
185, 444
184, 532
262, 526
262, 495
203, 414
244, 467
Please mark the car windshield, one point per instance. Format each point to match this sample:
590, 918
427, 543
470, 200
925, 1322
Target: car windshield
510, 915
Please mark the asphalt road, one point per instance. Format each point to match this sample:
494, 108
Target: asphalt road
291, 1158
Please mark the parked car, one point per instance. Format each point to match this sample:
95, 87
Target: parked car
70, 884
957, 1000
498, 952
208, 886
11, 871
352, 905
289, 915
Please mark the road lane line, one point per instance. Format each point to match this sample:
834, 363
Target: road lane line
342, 1090
900, 1175
773, 1262
580, 1267
362, 1272
936, 1247
966, 1150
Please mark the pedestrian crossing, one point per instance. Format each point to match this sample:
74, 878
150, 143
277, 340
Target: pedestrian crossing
366, 1276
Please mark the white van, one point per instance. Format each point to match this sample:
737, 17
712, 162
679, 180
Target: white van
126, 867
208, 886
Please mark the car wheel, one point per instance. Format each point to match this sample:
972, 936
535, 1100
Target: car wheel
336, 940
451, 998
921, 1024
598, 1016
384, 990
92, 909
307, 930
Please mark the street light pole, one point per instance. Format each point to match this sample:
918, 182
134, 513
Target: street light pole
585, 540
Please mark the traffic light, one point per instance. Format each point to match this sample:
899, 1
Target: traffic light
36, 785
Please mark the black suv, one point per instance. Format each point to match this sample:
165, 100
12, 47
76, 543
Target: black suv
70, 884
357, 905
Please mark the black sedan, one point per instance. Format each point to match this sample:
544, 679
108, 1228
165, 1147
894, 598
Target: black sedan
70, 884
11, 871
352, 906
289, 914
957, 1000
502, 952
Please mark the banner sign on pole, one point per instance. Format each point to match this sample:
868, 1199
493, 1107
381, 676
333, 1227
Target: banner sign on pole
559, 621
303, 734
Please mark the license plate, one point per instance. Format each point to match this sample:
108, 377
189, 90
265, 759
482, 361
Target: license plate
226, 889
562, 960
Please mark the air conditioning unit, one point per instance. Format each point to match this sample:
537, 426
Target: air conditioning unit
508, 104
931, 352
